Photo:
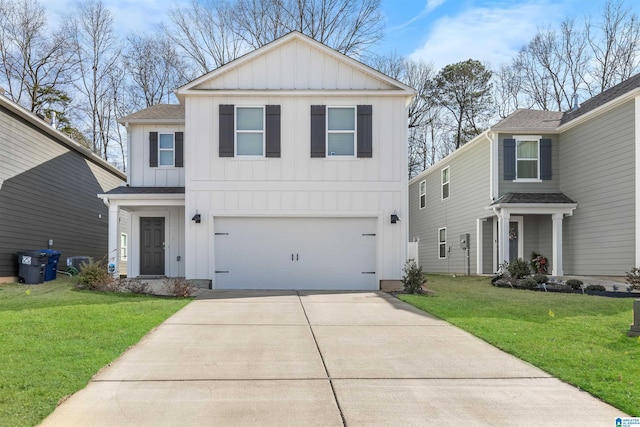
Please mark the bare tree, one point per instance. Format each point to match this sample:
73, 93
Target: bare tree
615, 43
207, 34
97, 52
35, 59
213, 34
154, 67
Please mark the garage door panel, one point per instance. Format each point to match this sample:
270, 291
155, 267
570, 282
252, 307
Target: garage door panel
295, 253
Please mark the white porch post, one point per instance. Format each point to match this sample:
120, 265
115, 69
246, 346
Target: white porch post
557, 245
112, 256
479, 241
503, 236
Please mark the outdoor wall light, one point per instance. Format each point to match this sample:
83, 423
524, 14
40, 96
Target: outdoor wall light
197, 218
394, 218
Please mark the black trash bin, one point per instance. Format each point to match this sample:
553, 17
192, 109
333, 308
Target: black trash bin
52, 264
31, 266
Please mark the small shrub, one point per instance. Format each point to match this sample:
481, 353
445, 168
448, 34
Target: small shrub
539, 263
413, 278
633, 278
135, 286
94, 276
527, 283
595, 288
540, 278
519, 268
179, 287
574, 283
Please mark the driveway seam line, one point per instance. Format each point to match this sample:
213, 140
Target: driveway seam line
326, 370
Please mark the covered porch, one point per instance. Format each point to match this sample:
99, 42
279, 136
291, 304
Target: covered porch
153, 234
521, 224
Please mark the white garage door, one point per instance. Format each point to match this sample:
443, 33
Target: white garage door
295, 253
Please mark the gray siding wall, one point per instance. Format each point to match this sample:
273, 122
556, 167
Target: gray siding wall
48, 191
598, 173
546, 186
538, 236
469, 195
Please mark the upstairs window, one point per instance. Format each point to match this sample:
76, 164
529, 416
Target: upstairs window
444, 177
423, 194
341, 131
527, 159
249, 131
166, 149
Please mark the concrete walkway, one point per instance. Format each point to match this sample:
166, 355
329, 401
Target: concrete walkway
320, 359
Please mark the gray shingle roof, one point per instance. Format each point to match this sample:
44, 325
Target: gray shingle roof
533, 198
601, 99
156, 113
146, 190
530, 119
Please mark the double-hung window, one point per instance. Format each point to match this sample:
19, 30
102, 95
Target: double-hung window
527, 158
341, 131
423, 194
444, 179
249, 131
166, 149
442, 243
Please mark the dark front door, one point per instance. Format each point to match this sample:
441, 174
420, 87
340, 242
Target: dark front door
152, 246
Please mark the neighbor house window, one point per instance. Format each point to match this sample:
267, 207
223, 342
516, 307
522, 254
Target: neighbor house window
442, 243
124, 249
423, 194
341, 131
527, 159
166, 149
445, 183
250, 131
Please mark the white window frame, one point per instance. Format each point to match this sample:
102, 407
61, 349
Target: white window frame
522, 138
354, 131
442, 243
422, 190
236, 131
124, 247
172, 150
443, 183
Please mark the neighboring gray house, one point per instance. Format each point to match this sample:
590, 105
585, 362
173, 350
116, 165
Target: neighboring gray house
48, 188
565, 185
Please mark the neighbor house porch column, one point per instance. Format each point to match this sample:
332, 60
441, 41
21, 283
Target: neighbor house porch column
556, 260
503, 236
114, 238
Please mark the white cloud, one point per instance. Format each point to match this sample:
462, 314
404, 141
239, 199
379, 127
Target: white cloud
428, 8
488, 34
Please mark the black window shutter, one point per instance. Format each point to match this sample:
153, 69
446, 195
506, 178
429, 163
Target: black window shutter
226, 134
545, 159
365, 146
318, 131
153, 149
509, 159
179, 141
272, 131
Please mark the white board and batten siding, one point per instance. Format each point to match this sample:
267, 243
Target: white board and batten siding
140, 173
311, 203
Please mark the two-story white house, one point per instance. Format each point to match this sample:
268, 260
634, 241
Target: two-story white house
284, 169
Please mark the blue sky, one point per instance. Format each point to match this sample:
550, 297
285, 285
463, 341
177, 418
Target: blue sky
437, 31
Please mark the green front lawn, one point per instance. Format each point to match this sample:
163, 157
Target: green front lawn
54, 338
580, 339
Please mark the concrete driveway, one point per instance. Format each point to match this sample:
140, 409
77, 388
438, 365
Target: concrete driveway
320, 359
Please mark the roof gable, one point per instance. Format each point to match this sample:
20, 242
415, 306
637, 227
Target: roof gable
295, 62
